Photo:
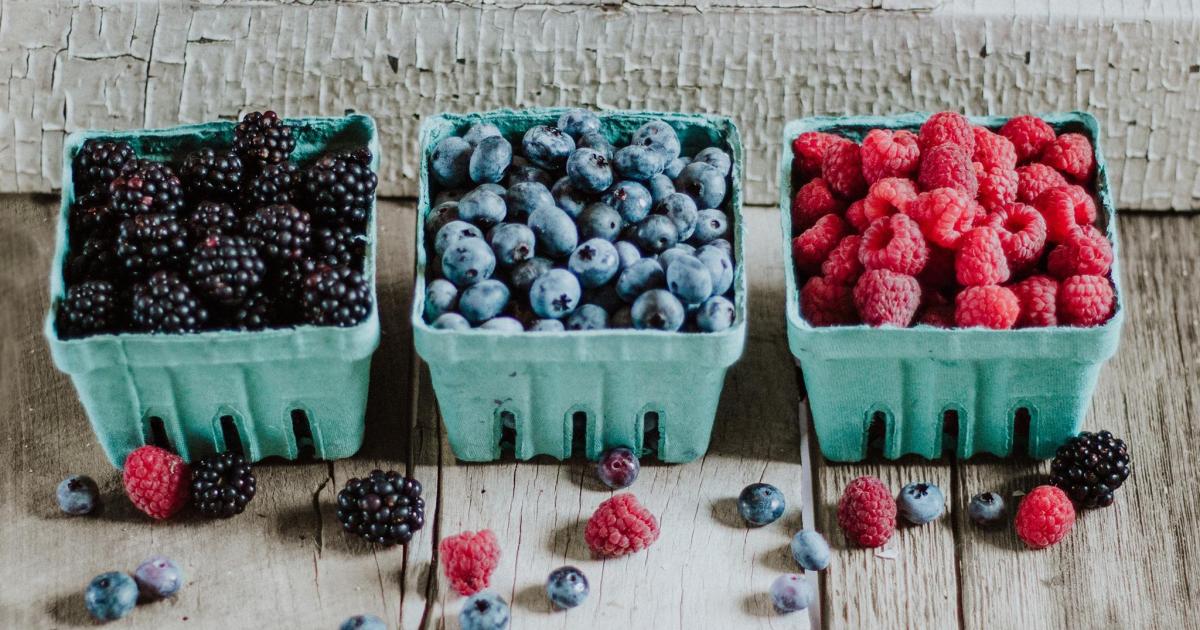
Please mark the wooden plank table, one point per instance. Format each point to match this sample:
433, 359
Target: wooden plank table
285, 562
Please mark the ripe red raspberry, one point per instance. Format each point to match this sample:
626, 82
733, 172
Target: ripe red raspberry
1029, 136
157, 481
842, 265
1022, 232
980, 259
886, 298
468, 560
939, 271
948, 166
1044, 517
1086, 251
1035, 179
856, 216
813, 201
1071, 154
812, 247
808, 149
889, 154
825, 302
842, 169
888, 196
945, 214
1065, 208
1039, 302
894, 243
997, 185
619, 526
867, 512
946, 127
993, 150
1085, 301
989, 306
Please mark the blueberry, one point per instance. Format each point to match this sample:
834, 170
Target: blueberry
555, 294
587, 317
627, 253
483, 301
448, 195
547, 325
920, 503
715, 314
791, 592
682, 212
513, 243
710, 225
761, 504
527, 173
451, 161
595, 262
703, 183
441, 296
720, 267
641, 276
468, 261
451, 321
659, 186
555, 231
630, 199
363, 622
810, 550
724, 245
621, 318
547, 146
589, 171
567, 197
523, 198
110, 596
675, 167
490, 159
484, 611
502, 324
576, 122
657, 309
482, 207
440, 215
596, 141
717, 159
524, 273
77, 494
669, 256
599, 220
618, 467
451, 233
986, 509
479, 132
637, 162
158, 577
567, 587
659, 137
656, 233
689, 280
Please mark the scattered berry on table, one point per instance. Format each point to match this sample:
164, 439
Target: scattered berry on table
618, 467
77, 495
867, 512
567, 587
620, 526
337, 296
164, 303
1090, 467
157, 481
363, 622
761, 504
212, 174
791, 592
1044, 517
384, 508
158, 577
262, 138
222, 485
88, 308
920, 503
810, 550
468, 560
484, 611
110, 596
986, 509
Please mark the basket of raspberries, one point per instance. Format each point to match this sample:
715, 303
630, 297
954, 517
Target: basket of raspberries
213, 285
578, 279
954, 283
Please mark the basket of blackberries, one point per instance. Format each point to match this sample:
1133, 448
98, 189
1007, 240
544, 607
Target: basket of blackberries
213, 285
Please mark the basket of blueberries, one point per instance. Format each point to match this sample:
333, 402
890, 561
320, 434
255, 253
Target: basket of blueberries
579, 284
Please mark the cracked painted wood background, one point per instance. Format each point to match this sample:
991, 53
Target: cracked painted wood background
69, 64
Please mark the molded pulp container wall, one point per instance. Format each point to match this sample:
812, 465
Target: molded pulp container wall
965, 390
647, 390
286, 392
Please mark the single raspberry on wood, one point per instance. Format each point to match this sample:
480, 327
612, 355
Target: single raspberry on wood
856, 216
980, 259
620, 526
826, 302
867, 512
888, 196
993, 150
157, 481
945, 214
812, 247
1035, 179
841, 168
1044, 517
1086, 251
813, 201
1038, 297
947, 128
808, 150
1022, 232
468, 560
842, 264
887, 298
894, 243
1029, 136
997, 185
1065, 208
990, 306
888, 153
1071, 154
1085, 301
948, 166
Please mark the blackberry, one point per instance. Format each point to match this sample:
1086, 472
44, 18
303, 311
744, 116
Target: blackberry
89, 216
96, 259
385, 508
211, 174
339, 246
262, 138
340, 187
290, 279
225, 268
87, 309
222, 485
146, 187
281, 231
149, 242
211, 217
1090, 467
275, 184
256, 312
99, 162
165, 303
336, 296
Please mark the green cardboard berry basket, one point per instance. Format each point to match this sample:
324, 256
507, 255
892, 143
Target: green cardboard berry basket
283, 392
647, 390
968, 390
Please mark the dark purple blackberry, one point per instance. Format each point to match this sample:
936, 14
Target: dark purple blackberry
149, 242
211, 217
89, 216
225, 268
211, 174
384, 508
262, 138
341, 187
95, 259
336, 296
146, 188
165, 303
222, 485
1090, 467
256, 312
87, 309
99, 162
289, 280
339, 246
275, 184
281, 232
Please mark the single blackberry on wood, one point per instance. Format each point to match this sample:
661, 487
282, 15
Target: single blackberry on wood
262, 138
339, 246
88, 308
226, 268
222, 485
165, 303
281, 231
274, 184
146, 187
95, 259
384, 508
1090, 467
99, 162
211, 174
336, 296
211, 217
149, 242
340, 188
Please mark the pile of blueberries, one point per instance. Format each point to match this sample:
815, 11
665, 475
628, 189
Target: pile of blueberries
568, 232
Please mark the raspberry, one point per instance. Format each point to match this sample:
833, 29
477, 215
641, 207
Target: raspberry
1035, 179
989, 306
993, 150
888, 196
813, 201
894, 243
1022, 232
1065, 208
619, 526
1071, 154
980, 259
997, 185
1085, 301
825, 302
945, 214
157, 481
841, 168
867, 513
1085, 252
842, 265
1044, 517
946, 127
1029, 135
812, 247
856, 216
948, 166
808, 150
468, 560
1038, 298
889, 154
884, 297
939, 270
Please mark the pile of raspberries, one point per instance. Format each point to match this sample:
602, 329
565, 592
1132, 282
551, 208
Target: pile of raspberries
954, 226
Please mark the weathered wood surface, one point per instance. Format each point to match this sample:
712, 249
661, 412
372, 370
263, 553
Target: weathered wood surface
287, 562
68, 64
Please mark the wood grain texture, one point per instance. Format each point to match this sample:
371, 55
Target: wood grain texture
67, 65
